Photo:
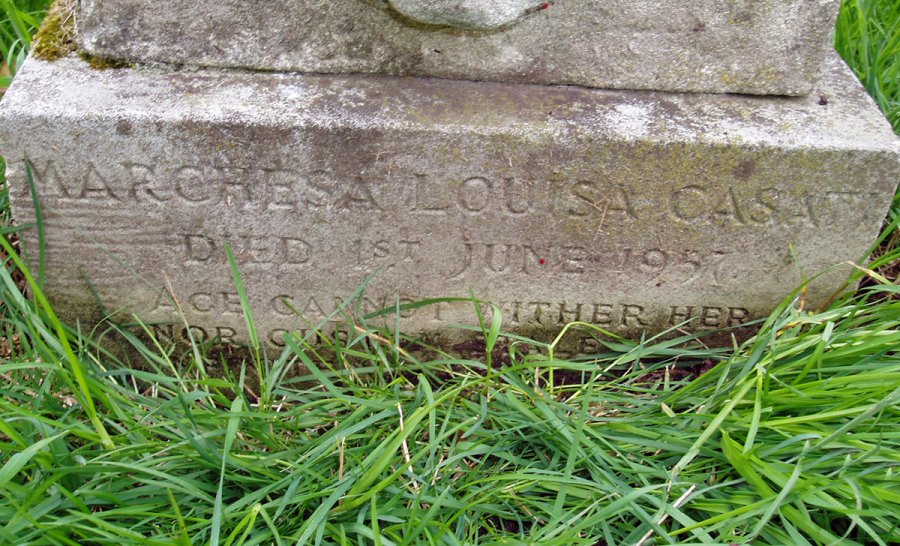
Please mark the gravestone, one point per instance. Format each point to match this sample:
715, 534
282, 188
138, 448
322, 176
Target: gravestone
636, 211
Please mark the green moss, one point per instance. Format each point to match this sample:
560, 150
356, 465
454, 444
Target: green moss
102, 63
56, 37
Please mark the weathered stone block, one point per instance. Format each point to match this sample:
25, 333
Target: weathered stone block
631, 210
772, 47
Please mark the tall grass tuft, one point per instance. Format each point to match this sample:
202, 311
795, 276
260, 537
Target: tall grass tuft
868, 38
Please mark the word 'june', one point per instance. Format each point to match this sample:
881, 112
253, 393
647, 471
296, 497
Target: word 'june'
289, 191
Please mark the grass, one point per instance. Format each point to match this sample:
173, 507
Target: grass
868, 38
789, 438
19, 20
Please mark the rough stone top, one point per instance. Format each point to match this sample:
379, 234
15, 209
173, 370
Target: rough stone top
461, 107
765, 47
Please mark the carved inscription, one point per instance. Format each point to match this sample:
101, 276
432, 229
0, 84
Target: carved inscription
698, 204
472, 259
284, 306
297, 192
620, 315
613, 316
387, 250
656, 265
253, 249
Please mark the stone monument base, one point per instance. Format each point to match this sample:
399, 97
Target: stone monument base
634, 211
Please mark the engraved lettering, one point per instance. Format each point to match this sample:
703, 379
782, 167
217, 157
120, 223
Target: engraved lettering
424, 200
438, 309
163, 303
728, 209
237, 189
622, 204
689, 203
539, 309
717, 266
589, 345
282, 305
189, 179
573, 259
710, 316
653, 261
410, 249
627, 255
531, 258
517, 202
358, 196
581, 191
490, 257
464, 261
226, 334
142, 182
200, 302
163, 332
198, 333
689, 267
294, 251
382, 249
320, 189
513, 312
569, 314
197, 248
604, 202
804, 212
280, 190
764, 207
250, 249
96, 186
312, 309
737, 316
680, 315
255, 249
631, 314
276, 337
231, 303
602, 315
475, 194
47, 177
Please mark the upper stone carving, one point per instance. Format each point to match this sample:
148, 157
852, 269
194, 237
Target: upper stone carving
465, 14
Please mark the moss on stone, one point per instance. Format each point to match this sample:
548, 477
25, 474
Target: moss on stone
56, 37
102, 63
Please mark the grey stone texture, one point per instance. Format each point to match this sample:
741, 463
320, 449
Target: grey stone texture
630, 210
767, 47
465, 14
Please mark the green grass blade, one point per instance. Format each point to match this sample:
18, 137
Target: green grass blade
20, 459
